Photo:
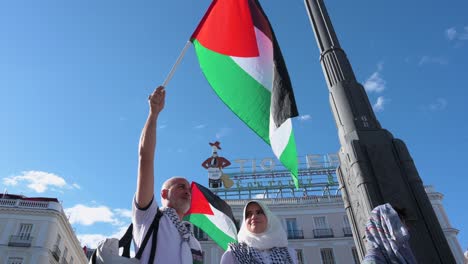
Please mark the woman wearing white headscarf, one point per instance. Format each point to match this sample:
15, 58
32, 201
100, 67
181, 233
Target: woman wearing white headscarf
261, 239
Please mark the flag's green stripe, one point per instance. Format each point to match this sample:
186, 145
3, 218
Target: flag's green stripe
289, 158
221, 238
246, 97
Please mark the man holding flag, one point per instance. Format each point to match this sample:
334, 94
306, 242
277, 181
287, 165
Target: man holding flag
177, 243
207, 211
241, 59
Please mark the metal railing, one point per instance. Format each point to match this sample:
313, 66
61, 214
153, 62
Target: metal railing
56, 252
20, 241
295, 234
323, 233
347, 231
201, 237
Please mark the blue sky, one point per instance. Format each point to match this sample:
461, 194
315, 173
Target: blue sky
75, 77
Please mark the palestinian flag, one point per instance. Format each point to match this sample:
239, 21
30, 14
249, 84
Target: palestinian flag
240, 57
212, 215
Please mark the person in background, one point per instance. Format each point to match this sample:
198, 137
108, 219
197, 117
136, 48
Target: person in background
387, 238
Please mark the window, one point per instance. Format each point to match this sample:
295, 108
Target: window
300, 256
293, 231
320, 222
25, 231
347, 231
199, 234
291, 224
321, 228
15, 260
327, 256
346, 221
355, 255
65, 253
238, 223
59, 239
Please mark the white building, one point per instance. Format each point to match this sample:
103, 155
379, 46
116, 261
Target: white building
36, 230
314, 217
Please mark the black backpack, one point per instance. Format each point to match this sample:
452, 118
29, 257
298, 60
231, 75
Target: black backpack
126, 241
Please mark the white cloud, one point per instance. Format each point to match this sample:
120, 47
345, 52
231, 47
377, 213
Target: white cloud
464, 35
39, 181
379, 104
162, 126
453, 35
439, 105
305, 117
76, 186
223, 132
434, 60
84, 215
375, 83
92, 240
200, 126
123, 212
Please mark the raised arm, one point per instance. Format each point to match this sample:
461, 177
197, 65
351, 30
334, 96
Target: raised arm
145, 181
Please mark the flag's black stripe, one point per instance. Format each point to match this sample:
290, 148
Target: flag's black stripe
259, 19
283, 104
216, 202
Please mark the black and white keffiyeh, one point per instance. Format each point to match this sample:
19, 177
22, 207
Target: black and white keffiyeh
184, 229
246, 255
191, 251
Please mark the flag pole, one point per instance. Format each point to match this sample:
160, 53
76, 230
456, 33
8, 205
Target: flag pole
174, 67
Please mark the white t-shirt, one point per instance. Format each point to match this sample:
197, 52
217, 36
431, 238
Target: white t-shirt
168, 249
229, 258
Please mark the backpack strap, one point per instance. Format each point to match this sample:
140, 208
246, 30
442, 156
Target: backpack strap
153, 229
126, 241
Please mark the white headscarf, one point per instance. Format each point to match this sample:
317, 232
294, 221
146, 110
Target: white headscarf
274, 235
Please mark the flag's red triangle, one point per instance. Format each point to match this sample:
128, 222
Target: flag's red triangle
227, 28
199, 204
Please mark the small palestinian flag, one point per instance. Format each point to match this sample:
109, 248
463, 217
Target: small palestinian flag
240, 57
212, 215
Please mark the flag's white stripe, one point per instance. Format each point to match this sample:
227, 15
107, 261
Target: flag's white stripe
261, 67
223, 222
279, 137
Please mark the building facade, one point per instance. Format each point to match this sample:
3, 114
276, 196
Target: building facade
36, 231
313, 216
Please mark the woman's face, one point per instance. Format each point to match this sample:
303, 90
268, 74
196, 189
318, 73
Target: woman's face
255, 219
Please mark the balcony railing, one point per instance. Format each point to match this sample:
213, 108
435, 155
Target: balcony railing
323, 233
347, 231
295, 234
201, 237
20, 241
56, 253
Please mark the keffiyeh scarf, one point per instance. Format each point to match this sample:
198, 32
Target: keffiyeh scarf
247, 255
191, 252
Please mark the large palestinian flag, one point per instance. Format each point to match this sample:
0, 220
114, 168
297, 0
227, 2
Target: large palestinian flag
241, 59
212, 215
